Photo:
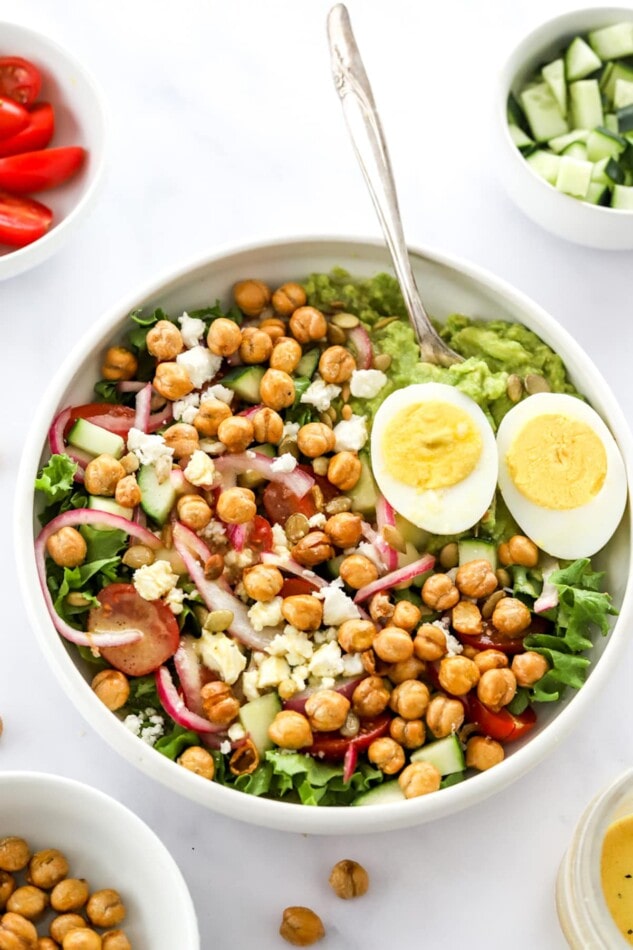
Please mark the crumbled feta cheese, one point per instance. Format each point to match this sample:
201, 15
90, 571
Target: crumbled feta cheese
299, 676
369, 551
191, 329
292, 644
453, 646
215, 532
280, 543
320, 394
350, 434
326, 661
218, 652
174, 600
327, 682
266, 614
218, 391
324, 636
200, 469
211, 447
249, 685
200, 363
285, 463
337, 606
133, 723
239, 559
367, 383
148, 725
186, 409
352, 664
318, 520
236, 732
154, 580
225, 747
149, 449
272, 672
290, 430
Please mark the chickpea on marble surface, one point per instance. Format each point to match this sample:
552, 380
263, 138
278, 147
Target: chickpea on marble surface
349, 879
301, 927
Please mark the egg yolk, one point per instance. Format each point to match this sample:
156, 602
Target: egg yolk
431, 445
557, 462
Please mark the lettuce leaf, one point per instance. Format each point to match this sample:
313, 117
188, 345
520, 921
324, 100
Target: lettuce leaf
174, 743
56, 478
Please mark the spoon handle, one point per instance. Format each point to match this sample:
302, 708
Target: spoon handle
363, 122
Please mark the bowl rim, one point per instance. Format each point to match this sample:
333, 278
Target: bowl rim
514, 63
267, 812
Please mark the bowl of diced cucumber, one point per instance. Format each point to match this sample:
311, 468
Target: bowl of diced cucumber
565, 111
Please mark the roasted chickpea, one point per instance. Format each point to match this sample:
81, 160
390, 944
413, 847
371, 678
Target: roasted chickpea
511, 617
349, 879
419, 778
218, 702
268, 426
102, 474
274, 327
392, 644
336, 364
67, 547
138, 555
82, 939
313, 549
182, 438
430, 642
466, 618
344, 529
277, 389
303, 611
344, 470
370, 697
490, 660
482, 753
198, 760
256, 346
236, 432
288, 297
315, 438
236, 505
209, 416
164, 340
28, 901
386, 755
444, 716
458, 675
193, 511
172, 381
45, 943
290, 730
65, 924
301, 927
439, 593
113, 689
327, 710
529, 667
380, 607
7, 887
127, 492
47, 868
410, 699
307, 324
357, 571
263, 582
224, 337
496, 688
251, 296
519, 550
409, 733
117, 939
286, 354
406, 615
476, 579
410, 669
70, 894
14, 854
105, 908
119, 363
355, 636
17, 933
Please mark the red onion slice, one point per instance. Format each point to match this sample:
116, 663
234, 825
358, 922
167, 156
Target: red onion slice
174, 705
350, 761
386, 515
143, 404
297, 481
188, 669
130, 386
345, 687
158, 419
293, 567
382, 548
238, 535
407, 573
548, 598
58, 445
359, 338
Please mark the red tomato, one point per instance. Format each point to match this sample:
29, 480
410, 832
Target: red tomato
107, 415
121, 607
280, 503
37, 134
296, 585
261, 534
503, 725
13, 117
22, 220
37, 171
491, 639
19, 79
332, 746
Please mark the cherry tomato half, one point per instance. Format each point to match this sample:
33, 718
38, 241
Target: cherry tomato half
107, 415
503, 725
491, 639
19, 79
332, 746
280, 503
296, 585
39, 170
13, 117
122, 607
22, 220
261, 534
36, 134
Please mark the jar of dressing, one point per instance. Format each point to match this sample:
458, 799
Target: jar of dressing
594, 890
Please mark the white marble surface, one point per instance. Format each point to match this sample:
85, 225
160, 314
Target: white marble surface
225, 128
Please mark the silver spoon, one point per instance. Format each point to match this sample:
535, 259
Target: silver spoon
370, 146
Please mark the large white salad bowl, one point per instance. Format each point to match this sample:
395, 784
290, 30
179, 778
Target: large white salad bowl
448, 286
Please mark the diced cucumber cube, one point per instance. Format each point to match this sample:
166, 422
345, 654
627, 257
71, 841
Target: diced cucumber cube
95, 440
543, 112
474, 549
245, 381
598, 193
614, 171
256, 718
586, 104
157, 498
445, 754
613, 72
604, 144
554, 76
515, 113
625, 119
623, 95
576, 150
545, 164
611, 122
560, 143
574, 176
580, 60
612, 42
364, 494
599, 174
99, 503
622, 197
519, 137
383, 794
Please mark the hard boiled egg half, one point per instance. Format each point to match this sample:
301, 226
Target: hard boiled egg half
561, 474
434, 457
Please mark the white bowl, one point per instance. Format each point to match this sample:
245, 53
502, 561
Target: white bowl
563, 215
80, 119
449, 286
109, 846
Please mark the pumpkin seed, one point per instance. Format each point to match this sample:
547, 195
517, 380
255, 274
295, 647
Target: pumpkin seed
382, 361
346, 321
338, 504
393, 538
320, 465
384, 322
514, 387
296, 527
76, 599
449, 556
326, 419
288, 445
218, 620
536, 384
346, 412
490, 603
335, 335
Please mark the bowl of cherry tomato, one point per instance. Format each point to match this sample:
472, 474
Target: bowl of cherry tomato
52, 147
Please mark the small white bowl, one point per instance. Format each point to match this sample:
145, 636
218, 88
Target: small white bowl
109, 846
80, 119
563, 215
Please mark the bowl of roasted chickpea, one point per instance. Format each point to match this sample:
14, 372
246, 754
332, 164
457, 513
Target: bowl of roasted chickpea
79, 871
266, 601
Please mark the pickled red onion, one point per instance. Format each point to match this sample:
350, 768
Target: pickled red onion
359, 338
407, 573
297, 481
174, 705
143, 406
293, 567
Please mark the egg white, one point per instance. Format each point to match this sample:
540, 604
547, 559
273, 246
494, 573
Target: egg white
446, 510
576, 532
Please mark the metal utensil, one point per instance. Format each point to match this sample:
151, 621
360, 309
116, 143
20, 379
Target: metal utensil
370, 146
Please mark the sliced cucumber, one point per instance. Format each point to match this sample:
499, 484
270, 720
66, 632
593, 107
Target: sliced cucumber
382, 794
613, 72
623, 95
445, 754
599, 174
109, 505
580, 60
561, 142
364, 494
586, 104
245, 382
474, 549
333, 566
157, 498
554, 76
308, 363
93, 439
411, 533
625, 119
576, 150
615, 172
256, 718
543, 112
522, 141
614, 41
611, 122
622, 197
602, 143
598, 193
545, 164
574, 176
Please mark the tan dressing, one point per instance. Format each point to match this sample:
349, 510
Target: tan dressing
616, 868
